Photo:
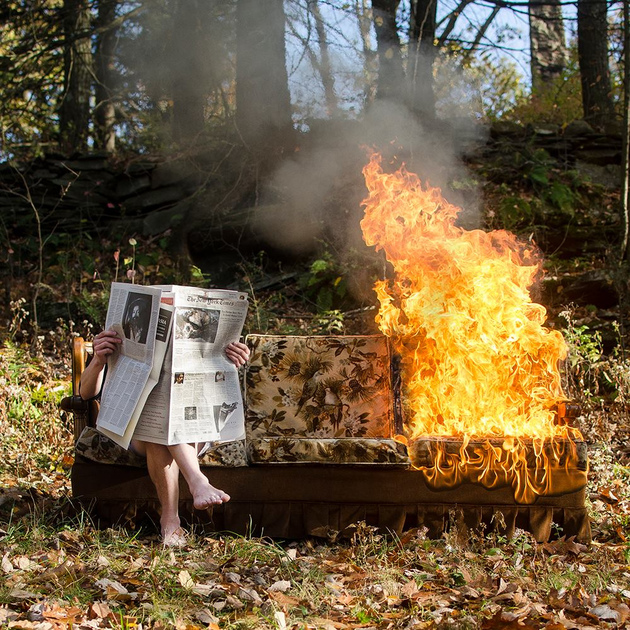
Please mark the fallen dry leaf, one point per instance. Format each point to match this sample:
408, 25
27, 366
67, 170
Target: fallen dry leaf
281, 620
6, 564
286, 601
607, 613
249, 595
18, 593
185, 580
234, 603
99, 610
107, 584
207, 618
59, 613
7, 615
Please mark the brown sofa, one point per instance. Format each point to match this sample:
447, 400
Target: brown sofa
320, 455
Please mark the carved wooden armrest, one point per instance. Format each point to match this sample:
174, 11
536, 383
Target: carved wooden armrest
83, 411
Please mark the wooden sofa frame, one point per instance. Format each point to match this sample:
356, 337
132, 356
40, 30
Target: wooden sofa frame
293, 500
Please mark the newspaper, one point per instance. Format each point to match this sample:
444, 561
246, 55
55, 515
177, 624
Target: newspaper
133, 314
162, 340
183, 388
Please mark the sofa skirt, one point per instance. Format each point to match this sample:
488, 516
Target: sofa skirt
298, 500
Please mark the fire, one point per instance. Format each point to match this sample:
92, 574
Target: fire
477, 360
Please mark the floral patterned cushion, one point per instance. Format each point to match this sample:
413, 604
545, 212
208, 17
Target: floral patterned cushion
286, 450
309, 399
320, 399
229, 454
97, 447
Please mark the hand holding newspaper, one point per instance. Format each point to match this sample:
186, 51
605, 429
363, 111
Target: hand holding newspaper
171, 382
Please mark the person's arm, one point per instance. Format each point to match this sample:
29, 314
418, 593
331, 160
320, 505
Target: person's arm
104, 344
238, 353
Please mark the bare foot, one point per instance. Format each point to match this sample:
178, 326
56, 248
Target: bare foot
174, 537
172, 534
204, 495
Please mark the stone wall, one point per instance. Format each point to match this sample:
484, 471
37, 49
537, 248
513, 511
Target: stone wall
153, 194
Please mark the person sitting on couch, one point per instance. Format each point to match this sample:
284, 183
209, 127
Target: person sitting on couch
163, 462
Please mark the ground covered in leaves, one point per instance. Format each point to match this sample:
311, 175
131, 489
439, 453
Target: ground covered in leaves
58, 571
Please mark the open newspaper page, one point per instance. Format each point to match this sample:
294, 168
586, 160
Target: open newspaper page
152, 425
198, 386
162, 345
133, 312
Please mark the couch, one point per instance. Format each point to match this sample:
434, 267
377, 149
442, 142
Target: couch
320, 454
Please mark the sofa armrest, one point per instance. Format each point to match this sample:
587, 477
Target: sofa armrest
74, 404
84, 412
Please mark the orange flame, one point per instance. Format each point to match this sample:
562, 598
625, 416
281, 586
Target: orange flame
477, 361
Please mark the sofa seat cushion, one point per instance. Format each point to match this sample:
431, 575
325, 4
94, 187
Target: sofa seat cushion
285, 450
228, 454
97, 447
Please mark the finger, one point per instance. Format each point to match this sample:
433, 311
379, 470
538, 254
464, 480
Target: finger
107, 340
237, 355
106, 344
236, 358
111, 342
105, 347
240, 349
108, 334
241, 356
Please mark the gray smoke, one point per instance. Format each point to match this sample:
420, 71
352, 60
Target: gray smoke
321, 187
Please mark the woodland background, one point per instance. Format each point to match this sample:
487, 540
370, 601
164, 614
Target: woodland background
220, 143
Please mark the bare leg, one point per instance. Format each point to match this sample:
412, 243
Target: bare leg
164, 474
204, 494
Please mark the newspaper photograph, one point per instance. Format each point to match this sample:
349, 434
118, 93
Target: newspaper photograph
193, 392
206, 401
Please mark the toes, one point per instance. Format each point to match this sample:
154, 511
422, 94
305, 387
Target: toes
214, 499
203, 504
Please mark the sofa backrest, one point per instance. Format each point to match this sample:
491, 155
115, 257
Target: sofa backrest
310, 399
319, 387
326, 399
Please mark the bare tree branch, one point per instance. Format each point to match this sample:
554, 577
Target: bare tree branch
450, 24
482, 32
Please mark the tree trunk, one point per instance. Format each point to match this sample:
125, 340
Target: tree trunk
592, 29
391, 76
364, 21
105, 110
548, 50
188, 80
74, 113
422, 25
625, 155
263, 104
323, 65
